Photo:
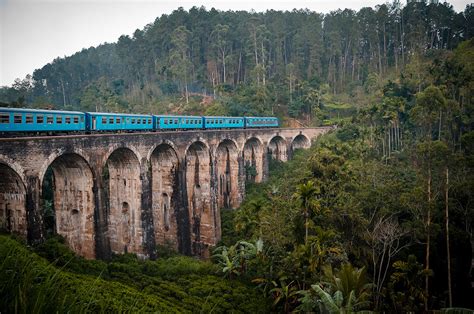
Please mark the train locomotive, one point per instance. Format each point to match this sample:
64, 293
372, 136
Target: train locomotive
24, 121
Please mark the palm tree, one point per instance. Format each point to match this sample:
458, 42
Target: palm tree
306, 193
345, 291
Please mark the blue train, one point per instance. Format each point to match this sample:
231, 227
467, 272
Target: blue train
13, 120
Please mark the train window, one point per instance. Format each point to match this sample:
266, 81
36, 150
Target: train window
165, 121
49, 120
82, 119
220, 122
4, 118
76, 119
17, 118
59, 119
104, 120
29, 118
144, 121
133, 120
67, 120
149, 120
111, 120
39, 119
139, 121
119, 120
175, 121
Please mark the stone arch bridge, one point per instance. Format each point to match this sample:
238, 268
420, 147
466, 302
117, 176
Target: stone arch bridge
127, 192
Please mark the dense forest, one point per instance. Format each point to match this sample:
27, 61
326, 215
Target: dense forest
290, 64
376, 216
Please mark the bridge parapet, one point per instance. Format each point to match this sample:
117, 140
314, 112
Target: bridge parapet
128, 192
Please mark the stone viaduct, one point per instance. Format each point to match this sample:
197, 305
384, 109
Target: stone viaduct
127, 192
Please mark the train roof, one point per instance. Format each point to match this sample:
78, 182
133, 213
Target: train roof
262, 117
45, 111
118, 114
173, 116
223, 117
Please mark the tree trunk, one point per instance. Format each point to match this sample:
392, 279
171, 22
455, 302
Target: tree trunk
240, 65
402, 35
64, 93
263, 64
439, 126
223, 65
446, 190
428, 239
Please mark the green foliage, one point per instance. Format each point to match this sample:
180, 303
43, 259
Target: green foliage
70, 283
406, 285
317, 68
345, 291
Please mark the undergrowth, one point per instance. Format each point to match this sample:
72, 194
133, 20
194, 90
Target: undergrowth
53, 279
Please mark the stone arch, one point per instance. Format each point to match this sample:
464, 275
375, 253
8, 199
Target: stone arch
277, 148
12, 201
113, 148
14, 166
200, 142
68, 182
300, 141
164, 186
163, 142
124, 189
56, 154
253, 159
199, 197
227, 170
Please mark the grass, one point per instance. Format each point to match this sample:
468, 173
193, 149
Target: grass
53, 279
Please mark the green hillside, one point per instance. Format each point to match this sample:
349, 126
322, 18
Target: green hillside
62, 283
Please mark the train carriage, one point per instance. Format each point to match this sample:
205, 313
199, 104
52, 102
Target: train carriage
223, 122
37, 120
14, 120
102, 121
163, 122
261, 122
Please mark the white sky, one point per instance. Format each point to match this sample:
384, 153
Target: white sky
34, 32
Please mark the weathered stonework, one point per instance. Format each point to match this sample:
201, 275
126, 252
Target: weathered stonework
164, 166
199, 197
73, 203
124, 216
254, 155
227, 170
277, 149
128, 192
12, 201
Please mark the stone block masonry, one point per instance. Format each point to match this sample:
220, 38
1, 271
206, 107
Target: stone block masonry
128, 192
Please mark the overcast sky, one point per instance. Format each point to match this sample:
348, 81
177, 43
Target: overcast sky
34, 32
